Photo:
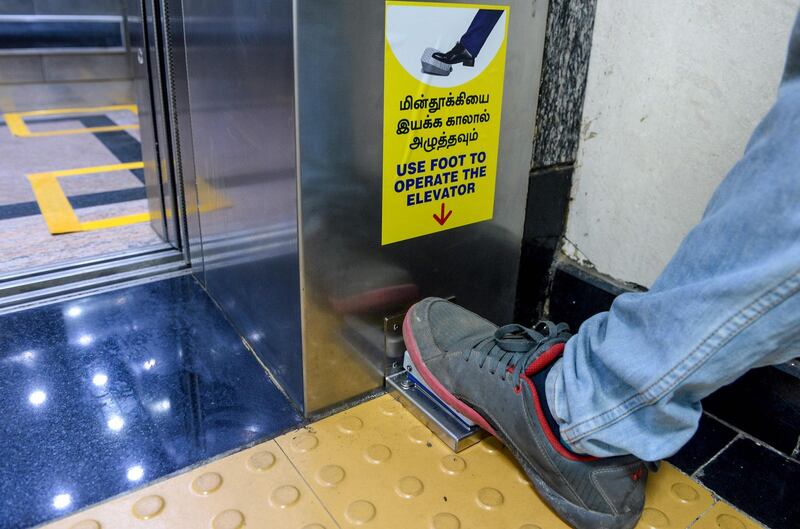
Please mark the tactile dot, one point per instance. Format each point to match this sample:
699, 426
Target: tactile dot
522, 478
685, 493
350, 424
360, 512
529, 526
726, 521
148, 507
330, 475
304, 441
445, 520
313, 526
490, 498
419, 434
377, 454
230, 519
207, 483
654, 519
409, 487
261, 461
284, 496
453, 464
390, 407
86, 524
491, 445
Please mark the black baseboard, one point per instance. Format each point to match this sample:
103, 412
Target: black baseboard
578, 293
545, 217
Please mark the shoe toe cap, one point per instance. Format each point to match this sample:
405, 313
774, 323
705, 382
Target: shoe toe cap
439, 326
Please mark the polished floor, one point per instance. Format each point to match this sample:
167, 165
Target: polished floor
91, 156
375, 466
109, 392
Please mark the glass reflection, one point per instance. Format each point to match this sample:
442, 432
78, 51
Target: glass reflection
37, 397
135, 473
62, 501
115, 423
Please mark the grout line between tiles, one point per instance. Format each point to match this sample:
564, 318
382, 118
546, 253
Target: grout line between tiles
750, 437
697, 474
311, 488
715, 499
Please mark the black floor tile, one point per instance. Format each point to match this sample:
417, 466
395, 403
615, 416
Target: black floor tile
764, 403
108, 392
758, 481
710, 438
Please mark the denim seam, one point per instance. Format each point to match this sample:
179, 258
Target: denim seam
726, 332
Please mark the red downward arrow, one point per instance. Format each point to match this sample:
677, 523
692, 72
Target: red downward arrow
443, 218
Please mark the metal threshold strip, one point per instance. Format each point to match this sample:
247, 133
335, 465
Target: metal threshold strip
27, 288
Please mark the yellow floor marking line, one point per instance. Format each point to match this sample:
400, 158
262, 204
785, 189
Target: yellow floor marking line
256, 488
56, 209
18, 127
123, 220
723, 516
53, 203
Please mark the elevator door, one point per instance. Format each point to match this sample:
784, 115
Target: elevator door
85, 170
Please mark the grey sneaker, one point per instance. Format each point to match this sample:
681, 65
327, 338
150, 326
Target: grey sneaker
485, 373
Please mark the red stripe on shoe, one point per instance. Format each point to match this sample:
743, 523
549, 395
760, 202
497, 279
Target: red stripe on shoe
545, 359
437, 387
537, 365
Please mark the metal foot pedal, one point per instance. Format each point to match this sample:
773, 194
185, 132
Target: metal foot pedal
455, 430
433, 66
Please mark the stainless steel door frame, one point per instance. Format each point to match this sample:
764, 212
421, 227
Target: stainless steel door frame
147, 47
140, 60
179, 130
239, 72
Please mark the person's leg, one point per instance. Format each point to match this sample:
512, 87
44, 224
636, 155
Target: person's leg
631, 380
479, 30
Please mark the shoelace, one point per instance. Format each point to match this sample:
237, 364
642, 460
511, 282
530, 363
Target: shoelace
513, 347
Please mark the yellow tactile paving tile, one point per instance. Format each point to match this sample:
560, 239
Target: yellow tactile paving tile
673, 500
723, 516
375, 465
255, 488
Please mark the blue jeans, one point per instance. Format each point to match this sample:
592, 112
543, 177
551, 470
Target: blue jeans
631, 380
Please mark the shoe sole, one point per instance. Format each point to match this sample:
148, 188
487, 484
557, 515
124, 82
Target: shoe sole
435, 385
578, 517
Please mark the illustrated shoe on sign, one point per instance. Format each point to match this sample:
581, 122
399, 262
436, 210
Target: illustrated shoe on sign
458, 54
487, 374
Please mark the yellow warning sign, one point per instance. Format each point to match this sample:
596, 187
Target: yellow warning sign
443, 94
